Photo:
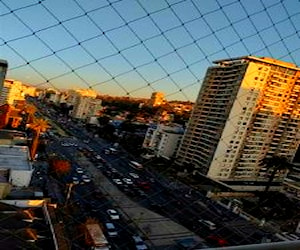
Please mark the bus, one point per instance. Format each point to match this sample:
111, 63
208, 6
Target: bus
94, 236
135, 165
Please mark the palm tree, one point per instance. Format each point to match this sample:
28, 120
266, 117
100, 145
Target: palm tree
274, 165
30, 110
38, 125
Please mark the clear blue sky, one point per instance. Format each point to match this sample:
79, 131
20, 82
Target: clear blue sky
135, 47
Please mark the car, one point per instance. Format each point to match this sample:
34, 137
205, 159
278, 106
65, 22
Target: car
134, 175
111, 229
98, 157
144, 185
75, 180
216, 240
127, 181
117, 181
141, 193
85, 178
210, 225
79, 170
113, 214
139, 243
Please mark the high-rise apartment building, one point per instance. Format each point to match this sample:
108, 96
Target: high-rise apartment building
247, 110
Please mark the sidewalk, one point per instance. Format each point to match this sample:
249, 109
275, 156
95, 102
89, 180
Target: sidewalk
160, 231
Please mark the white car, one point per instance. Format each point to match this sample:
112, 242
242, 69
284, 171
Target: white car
210, 225
117, 181
127, 181
134, 175
79, 170
85, 178
98, 157
113, 214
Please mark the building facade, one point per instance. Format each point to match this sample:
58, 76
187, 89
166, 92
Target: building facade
163, 140
3, 69
85, 103
15, 167
12, 91
247, 110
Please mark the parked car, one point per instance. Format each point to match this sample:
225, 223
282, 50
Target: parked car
85, 178
139, 243
111, 229
117, 181
143, 185
134, 175
113, 214
208, 224
127, 181
79, 170
75, 180
216, 240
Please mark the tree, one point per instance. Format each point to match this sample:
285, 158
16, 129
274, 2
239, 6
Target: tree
30, 110
274, 165
39, 126
60, 167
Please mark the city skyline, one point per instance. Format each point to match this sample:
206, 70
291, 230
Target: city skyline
138, 47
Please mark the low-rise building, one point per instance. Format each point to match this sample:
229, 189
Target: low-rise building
15, 166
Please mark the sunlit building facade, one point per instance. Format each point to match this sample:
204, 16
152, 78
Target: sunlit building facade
12, 91
85, 103
247, 110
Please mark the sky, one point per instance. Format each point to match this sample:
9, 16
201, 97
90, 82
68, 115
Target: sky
136, 47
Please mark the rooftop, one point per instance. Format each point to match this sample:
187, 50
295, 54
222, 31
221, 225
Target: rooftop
260, 59
11, 134
24, 228
14, 157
